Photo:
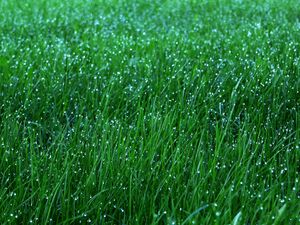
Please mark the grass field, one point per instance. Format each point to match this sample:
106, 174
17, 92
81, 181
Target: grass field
150, 112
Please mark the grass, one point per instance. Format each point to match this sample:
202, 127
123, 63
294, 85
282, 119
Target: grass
149, 112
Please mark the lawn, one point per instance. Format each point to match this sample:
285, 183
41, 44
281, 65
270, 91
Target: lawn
150, 112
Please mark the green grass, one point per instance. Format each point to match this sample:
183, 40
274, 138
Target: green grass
149, 112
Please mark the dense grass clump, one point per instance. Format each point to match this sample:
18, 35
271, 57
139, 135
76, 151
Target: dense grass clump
149, 112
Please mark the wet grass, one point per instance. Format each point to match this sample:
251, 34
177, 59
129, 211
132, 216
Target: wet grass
149, 112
